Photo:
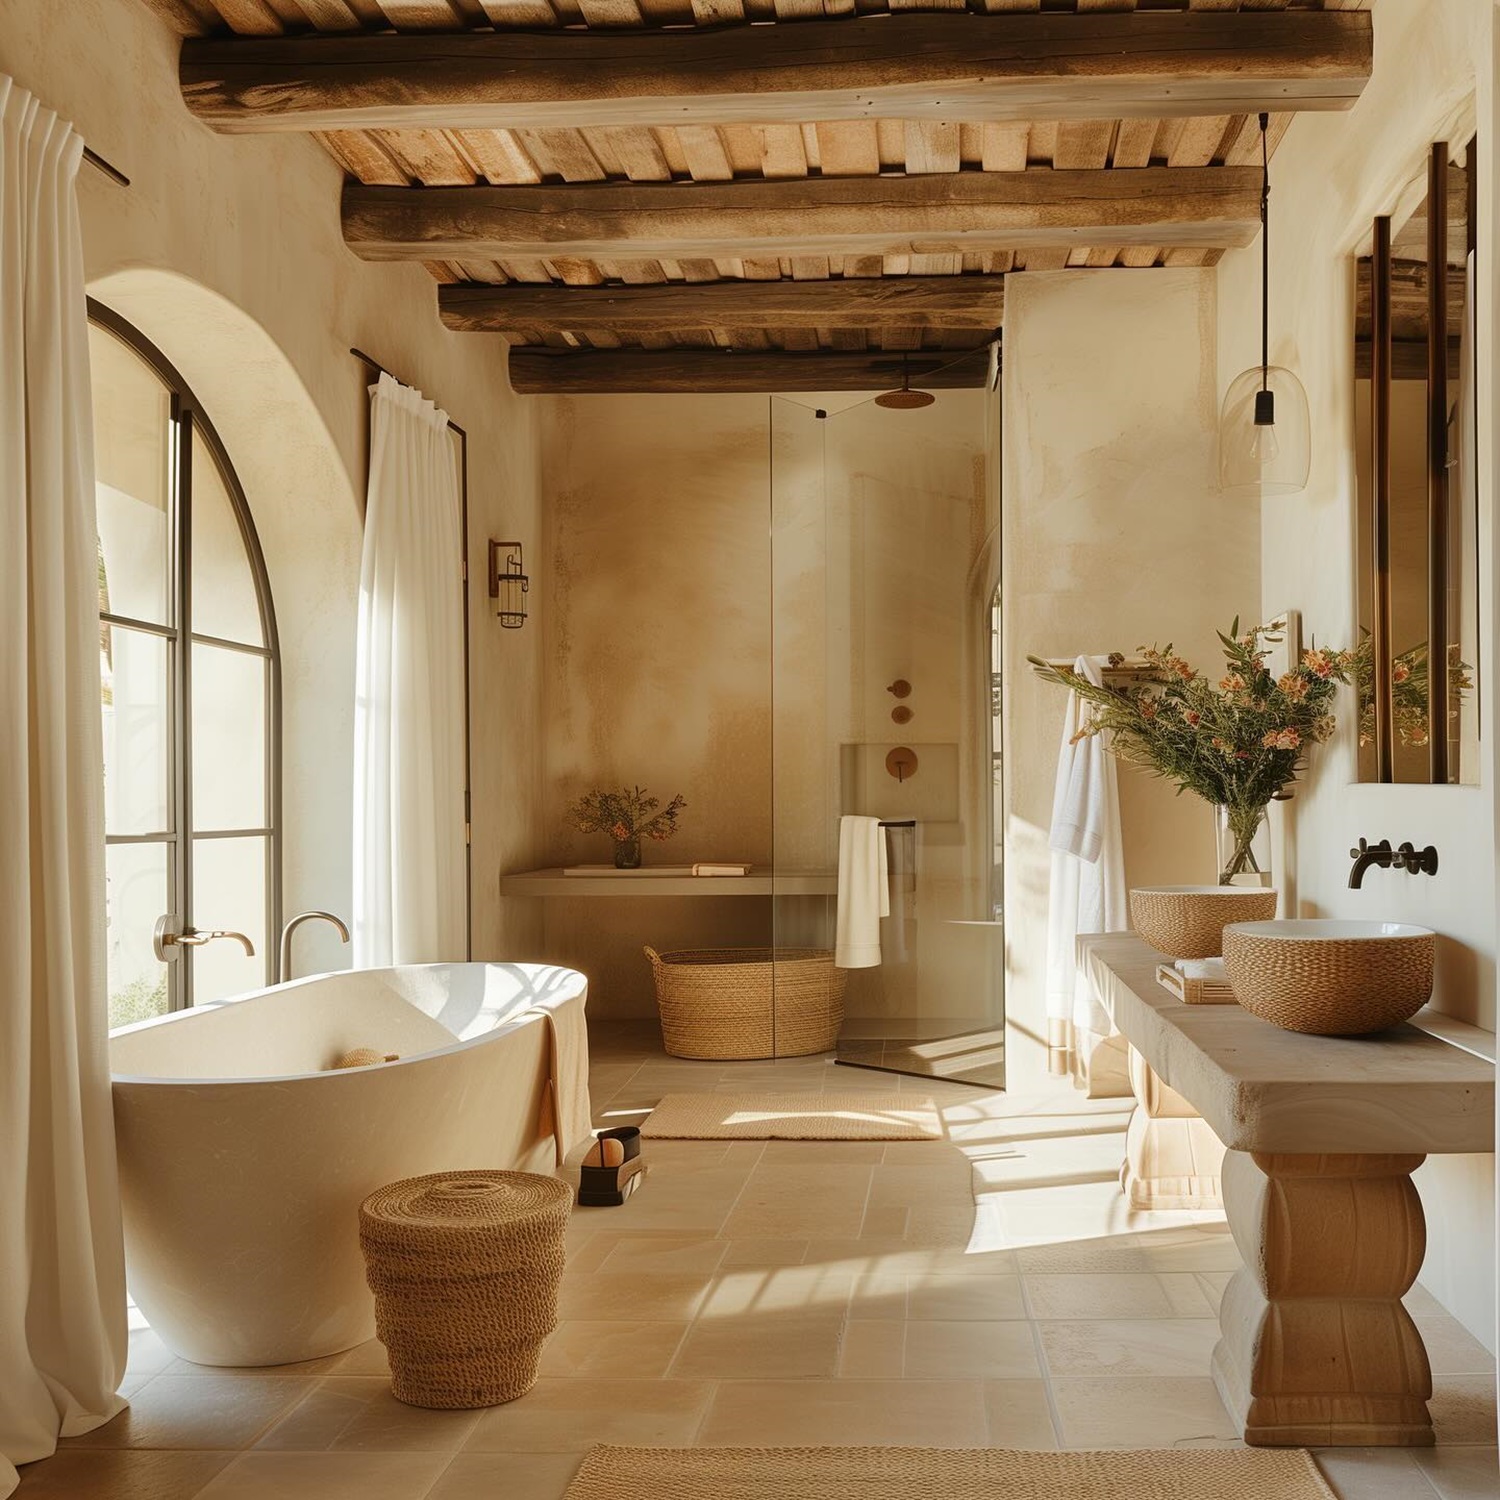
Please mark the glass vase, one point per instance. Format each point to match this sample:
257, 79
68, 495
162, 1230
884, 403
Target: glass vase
627, 854
1244, 846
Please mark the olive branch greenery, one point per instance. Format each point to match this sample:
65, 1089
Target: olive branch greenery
630, 813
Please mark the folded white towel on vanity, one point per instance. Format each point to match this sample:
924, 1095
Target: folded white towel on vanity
1211, 969
864, 893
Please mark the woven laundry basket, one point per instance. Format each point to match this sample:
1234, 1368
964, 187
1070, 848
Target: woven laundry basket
465, 1268
748, 1002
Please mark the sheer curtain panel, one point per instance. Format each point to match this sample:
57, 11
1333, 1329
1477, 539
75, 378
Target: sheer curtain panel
62, 1276
410, 890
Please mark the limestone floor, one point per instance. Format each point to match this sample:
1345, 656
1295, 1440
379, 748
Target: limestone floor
993, 1289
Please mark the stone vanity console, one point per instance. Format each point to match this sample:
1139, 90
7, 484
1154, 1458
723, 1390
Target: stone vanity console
1321, 1136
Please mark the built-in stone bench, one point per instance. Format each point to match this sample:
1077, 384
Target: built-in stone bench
1321, 1136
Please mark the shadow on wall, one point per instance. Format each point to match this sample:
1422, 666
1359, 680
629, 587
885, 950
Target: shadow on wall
308, 517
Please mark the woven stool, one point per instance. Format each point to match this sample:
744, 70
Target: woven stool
465, 1268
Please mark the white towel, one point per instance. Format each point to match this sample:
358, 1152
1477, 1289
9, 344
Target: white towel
1210, 969
1088, 867
864, 893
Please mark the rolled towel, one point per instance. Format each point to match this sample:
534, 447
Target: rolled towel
1208, 969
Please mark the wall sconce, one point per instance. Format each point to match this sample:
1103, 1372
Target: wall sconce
509, 584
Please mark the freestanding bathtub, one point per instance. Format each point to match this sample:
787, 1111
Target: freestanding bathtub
243, 1159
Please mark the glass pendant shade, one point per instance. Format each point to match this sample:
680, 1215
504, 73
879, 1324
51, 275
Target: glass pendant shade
1265, 436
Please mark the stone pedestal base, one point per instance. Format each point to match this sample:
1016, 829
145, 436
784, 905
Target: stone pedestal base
1172, 1158
1316, 1348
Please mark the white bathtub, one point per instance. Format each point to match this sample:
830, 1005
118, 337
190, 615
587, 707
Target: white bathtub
243, 1162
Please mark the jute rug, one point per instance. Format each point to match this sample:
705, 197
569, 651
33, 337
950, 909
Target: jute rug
794, 1117
946, 1474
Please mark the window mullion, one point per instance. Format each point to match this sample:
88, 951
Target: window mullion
182, 680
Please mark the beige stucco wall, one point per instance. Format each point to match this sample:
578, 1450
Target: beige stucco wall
227, 254
1114, 538
1330, 177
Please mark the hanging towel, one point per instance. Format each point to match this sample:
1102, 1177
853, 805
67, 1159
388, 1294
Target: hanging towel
864, 893
1088, 868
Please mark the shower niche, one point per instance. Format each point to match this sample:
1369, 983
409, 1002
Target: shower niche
884, 567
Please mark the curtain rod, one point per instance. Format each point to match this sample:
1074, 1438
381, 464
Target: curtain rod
375, 364
93, 158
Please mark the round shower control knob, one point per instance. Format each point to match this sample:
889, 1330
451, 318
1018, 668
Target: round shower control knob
902, 763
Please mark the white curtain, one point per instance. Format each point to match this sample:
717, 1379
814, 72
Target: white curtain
1088, 871
410, 889
62, 1275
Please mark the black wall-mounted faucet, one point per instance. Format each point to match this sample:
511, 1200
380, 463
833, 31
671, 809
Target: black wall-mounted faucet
1408, 857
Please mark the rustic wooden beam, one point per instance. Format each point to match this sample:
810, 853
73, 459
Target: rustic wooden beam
952, 213
948, 66
976, 302
540, 372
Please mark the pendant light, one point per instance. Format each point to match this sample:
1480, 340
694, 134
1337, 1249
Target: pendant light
1265, 438
905, 399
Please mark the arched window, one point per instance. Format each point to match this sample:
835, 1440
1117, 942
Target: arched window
190, 676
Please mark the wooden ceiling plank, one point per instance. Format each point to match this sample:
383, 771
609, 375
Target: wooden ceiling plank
429, 156
1139, 255
250, 17
936, 67
521, 13
562, 153
435, 15
535, 372
941, 301
638, 152
363, 156
703, 150
1205, 207
1133, 142
848, 148
501, 158
932, 146
1201, 141
1083, 145
1004, 147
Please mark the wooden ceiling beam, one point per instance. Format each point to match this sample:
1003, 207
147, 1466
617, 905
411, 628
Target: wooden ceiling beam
913, 66
1211, 208
976, 302
544, 372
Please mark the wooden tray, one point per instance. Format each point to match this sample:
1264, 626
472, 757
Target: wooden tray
1194, 991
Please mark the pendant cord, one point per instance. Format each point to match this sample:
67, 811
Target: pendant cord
1265, 253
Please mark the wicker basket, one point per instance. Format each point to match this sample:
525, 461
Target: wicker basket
748, 1002
1188, 921
465, 1267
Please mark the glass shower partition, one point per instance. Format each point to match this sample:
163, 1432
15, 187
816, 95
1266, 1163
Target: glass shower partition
884, 565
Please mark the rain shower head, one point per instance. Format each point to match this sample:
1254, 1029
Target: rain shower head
905, 399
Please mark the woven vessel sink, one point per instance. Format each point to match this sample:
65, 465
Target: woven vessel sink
1330, 978
1187, 921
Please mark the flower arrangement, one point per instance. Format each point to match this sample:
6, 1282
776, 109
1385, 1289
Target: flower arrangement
627, 816
1238, 743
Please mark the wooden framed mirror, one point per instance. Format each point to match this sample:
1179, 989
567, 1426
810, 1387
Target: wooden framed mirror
1417, 554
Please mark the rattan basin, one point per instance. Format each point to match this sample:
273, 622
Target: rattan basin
1330, 978
1187, 921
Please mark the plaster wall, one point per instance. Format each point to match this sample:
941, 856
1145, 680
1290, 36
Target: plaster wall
227, 254
1331, 176
1114, 537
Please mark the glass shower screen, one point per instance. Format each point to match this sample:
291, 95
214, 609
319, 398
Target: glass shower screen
884, 566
